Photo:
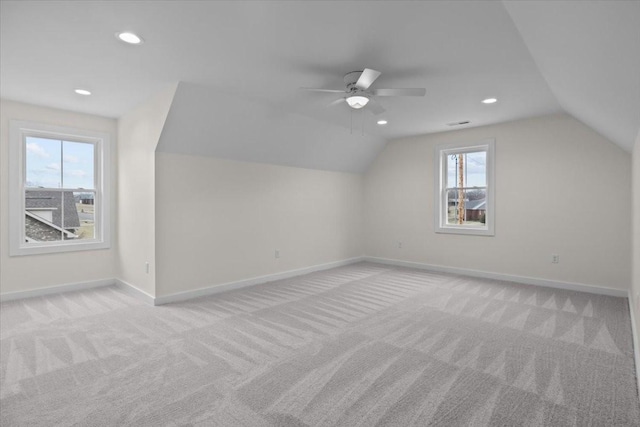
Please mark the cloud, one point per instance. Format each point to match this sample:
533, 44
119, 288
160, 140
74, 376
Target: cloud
53, 166
78, 173
36, 149
68, 158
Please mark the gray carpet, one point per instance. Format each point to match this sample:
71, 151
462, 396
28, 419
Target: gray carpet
361, 345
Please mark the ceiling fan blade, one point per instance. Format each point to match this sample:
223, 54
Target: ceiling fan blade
336, 102
375, 107
400, 92
367, 78
311, 89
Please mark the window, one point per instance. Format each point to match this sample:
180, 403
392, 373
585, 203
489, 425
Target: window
465, 188
59, 195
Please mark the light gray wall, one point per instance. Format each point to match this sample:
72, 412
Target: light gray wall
24, 273
138, 135
561, 188
635, 284
219, 221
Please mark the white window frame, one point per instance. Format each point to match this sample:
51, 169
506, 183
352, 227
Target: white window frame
18, 132
441, 153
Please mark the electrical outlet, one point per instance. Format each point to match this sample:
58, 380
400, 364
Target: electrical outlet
399, 245
277, 254
555, 258
146, 267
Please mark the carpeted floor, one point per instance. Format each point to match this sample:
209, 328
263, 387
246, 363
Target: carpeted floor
361, 345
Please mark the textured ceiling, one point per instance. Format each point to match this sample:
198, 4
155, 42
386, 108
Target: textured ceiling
240, 65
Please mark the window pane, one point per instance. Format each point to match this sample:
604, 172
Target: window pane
452, 203
84, 202
71, 220
457, 205
47, 218
42, 162
452, 170
467, 207
476, 169
43, 216
467, 169
78, 161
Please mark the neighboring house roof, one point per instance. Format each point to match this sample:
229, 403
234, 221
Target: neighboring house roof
474, 205
38, 229
51, 200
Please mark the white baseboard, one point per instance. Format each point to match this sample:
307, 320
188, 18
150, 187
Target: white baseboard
183, 296
135, 292
11, 296
569, 286
634, 332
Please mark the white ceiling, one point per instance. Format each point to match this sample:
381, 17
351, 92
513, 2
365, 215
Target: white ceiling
241, 64
589, 54
204, 121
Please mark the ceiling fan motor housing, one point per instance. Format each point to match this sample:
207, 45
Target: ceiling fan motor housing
350, 80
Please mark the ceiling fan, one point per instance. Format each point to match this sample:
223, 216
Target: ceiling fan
358, 95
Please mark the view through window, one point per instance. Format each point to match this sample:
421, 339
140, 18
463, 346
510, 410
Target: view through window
464, 188
60, 190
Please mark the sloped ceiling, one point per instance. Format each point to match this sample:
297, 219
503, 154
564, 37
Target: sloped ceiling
205, 121
240, 65
589, 54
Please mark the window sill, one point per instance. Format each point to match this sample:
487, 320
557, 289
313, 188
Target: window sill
466, 231
52, 248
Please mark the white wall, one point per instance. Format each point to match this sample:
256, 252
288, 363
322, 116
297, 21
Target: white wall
635, 284
219, 221
202, 221
138, 134
560, 188
25, 273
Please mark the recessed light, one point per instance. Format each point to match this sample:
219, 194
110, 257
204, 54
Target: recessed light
82, 92
382, 122
130, 38
489, 101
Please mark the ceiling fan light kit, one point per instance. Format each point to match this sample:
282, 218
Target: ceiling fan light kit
357, 101
357, 93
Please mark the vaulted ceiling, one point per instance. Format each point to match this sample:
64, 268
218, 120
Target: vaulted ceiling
240, 66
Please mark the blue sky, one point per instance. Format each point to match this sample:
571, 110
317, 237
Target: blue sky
56, 164
476, 166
